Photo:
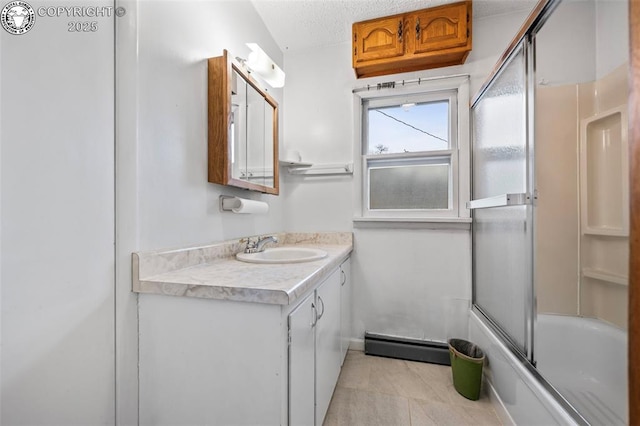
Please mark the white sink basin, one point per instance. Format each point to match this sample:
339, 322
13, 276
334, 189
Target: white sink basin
283, 255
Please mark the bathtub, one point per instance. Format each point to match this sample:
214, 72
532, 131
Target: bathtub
586, 361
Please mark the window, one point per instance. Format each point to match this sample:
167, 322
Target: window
411, 151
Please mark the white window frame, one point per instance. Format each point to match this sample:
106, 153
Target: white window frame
454, 89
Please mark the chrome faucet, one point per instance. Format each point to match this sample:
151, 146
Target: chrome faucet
262, 241
258, 246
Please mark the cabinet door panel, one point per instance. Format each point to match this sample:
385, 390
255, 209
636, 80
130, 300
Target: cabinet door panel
301, 364
328, 353
379, 39
345, 307
440, 28
257, 115
238, 122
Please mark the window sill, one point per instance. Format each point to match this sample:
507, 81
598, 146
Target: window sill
463, 223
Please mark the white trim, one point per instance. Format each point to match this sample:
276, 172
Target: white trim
452, 223
415, 219
426, 85
356, 345
431, 96
498, 405
460, 156
464, 149
357, 154
126, 214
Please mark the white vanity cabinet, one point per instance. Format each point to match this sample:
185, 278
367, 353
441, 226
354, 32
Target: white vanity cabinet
302, 356
328, 359
346, 290
315, 353
210, 361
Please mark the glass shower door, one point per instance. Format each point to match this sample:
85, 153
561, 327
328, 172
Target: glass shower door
502, 237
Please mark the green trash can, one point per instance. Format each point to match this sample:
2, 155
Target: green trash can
466, 367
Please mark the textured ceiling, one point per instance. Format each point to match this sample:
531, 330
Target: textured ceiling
302, 24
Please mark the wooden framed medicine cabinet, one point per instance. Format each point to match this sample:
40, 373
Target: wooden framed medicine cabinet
243, 129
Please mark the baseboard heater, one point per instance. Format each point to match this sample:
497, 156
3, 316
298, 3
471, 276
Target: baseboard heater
408, 349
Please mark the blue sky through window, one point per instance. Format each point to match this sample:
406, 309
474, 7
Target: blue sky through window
412, 128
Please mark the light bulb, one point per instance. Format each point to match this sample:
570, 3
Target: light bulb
260, 63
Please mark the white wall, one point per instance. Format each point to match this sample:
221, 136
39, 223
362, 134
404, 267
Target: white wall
58, 358
177, 206
57, 224
164, 199
594, 54
406, 281
411, 282
568, 33
612, 37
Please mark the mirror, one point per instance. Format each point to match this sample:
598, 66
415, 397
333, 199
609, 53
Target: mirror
243, 129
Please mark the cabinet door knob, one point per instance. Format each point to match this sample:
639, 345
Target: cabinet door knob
344, 277
418, 29
400, 31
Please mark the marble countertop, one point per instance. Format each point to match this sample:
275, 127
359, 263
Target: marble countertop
212, 272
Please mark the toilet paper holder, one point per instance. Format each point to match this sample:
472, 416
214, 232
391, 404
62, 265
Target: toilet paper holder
241, 205
227, 203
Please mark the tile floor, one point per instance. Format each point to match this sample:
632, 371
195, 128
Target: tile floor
390, 392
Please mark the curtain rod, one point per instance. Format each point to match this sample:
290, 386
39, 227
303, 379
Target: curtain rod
393, 84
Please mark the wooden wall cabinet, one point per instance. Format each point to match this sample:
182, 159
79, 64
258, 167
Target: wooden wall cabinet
243, 129
413, 41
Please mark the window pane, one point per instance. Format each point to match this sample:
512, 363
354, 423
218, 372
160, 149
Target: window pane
416, 187
408, 128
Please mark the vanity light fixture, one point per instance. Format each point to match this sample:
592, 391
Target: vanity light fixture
260, 63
